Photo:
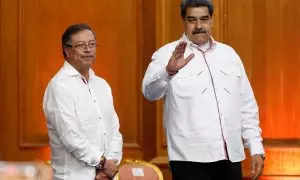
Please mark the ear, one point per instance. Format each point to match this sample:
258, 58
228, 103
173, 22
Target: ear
212, 22
67, 51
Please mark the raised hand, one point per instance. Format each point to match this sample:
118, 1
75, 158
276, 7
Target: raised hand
177, 60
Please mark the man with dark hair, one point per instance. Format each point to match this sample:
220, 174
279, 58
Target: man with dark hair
83, 126
209, 105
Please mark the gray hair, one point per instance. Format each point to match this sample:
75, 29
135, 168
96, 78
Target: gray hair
196, 3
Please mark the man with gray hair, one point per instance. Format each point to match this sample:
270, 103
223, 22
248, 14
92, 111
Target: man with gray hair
83, 126
209, 105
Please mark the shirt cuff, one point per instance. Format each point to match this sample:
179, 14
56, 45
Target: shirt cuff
97, 159
256, 147
115, 156
163, 75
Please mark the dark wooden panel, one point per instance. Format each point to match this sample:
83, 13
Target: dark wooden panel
265, 34
147, 41
30, 37
9, 79
268, 43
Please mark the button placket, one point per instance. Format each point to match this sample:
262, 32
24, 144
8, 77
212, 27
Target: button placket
100, 117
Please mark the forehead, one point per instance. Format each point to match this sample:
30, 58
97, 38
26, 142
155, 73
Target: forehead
197, 11
84, 35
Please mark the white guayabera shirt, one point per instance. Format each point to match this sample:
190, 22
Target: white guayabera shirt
82, 124
209, 106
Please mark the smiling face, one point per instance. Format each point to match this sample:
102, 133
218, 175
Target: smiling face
198, 24
81, 50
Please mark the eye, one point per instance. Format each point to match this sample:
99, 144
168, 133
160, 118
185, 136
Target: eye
191, 19
80, 46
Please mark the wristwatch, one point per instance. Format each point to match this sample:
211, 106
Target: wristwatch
100, 166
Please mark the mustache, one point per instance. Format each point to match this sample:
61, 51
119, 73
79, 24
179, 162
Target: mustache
198, 31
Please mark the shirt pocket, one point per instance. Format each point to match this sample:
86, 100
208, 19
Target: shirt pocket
230, 78
189, 84
188, 74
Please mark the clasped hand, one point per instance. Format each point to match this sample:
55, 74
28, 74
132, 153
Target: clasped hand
109, 171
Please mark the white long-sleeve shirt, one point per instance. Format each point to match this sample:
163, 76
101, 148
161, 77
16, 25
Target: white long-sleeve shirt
209, 105
82, 124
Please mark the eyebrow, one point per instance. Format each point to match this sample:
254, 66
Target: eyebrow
79, 42
190, 17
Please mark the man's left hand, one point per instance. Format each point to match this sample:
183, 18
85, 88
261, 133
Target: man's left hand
110, 167
100, 175
257, 166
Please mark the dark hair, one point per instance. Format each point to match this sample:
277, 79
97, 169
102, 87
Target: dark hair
71, 30
196, 3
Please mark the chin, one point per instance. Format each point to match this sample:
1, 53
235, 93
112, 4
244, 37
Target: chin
90, 61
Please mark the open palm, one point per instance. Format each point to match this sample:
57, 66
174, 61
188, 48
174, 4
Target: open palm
177, 60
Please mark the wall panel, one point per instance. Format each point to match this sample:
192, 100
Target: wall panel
31, 39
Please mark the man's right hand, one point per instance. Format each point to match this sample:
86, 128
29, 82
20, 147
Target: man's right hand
177, 60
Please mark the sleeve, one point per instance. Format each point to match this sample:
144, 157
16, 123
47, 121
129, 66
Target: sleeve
251, 131
116, 144
156, 79
59, 108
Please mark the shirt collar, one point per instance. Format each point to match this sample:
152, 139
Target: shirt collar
212, 42
73, 72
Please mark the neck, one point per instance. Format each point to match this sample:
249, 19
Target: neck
85, 74
83, 70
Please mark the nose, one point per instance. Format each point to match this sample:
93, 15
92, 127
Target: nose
87, 48
198, 23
